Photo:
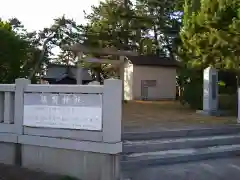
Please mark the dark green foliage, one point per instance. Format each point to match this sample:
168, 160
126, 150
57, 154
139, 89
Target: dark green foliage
211, 34
193, 94
191, 81
19, 51
13, 54
228, 102
227, 82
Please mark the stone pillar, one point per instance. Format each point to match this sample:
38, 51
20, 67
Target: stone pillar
210, 90
79, 74
79, 71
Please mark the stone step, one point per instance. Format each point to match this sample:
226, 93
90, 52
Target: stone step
179, 143
143, 160
174, 133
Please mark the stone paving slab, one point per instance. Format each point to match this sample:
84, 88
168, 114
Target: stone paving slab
220, 169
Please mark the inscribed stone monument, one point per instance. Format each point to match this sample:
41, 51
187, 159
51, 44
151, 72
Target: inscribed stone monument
210, 90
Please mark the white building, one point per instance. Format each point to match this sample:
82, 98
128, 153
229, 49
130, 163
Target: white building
150, 78
145, 77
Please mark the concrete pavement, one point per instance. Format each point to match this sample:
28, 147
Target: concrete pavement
219, 169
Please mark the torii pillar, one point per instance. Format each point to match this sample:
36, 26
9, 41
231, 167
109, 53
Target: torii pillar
79, 71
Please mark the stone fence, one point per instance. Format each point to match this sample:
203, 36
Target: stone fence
71, 130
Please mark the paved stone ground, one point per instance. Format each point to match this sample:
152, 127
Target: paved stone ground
220, 169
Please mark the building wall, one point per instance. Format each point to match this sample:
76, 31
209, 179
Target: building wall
165, 82
128, 81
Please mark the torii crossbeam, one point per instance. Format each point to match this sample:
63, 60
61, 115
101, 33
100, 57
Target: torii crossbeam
80, 49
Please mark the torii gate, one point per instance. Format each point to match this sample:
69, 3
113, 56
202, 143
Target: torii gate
79, 49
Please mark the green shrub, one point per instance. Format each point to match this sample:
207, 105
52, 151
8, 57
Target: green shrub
228, 102
193, 94
191, 83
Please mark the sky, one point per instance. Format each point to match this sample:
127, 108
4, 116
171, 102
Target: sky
37, 14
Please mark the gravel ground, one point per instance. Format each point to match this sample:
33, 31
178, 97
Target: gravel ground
166, 115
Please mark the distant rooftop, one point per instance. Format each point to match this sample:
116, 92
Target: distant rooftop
58, 71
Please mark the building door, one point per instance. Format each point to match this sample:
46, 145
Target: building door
144, 90
145, 84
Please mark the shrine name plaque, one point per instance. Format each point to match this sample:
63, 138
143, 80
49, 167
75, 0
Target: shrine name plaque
64, 111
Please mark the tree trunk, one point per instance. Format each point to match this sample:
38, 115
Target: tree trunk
98, 76
237, 98
156, 40
238, 81
126, 27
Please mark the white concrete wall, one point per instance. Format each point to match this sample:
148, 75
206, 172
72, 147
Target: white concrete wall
8, 153
166, 82
128, 81
82, 153
78, 164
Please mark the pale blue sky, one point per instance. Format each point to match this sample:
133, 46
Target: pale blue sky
35, 14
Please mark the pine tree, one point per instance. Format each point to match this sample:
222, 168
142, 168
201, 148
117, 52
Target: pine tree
211, 35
